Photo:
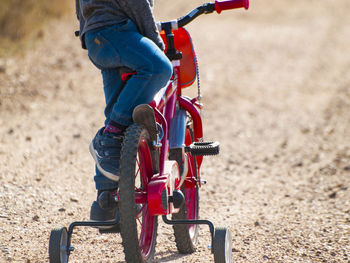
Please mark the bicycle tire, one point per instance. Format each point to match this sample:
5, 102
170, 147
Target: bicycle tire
58, 245
222, 245
138, 235
186, 235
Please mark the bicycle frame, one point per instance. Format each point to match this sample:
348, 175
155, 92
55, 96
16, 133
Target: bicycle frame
165, 110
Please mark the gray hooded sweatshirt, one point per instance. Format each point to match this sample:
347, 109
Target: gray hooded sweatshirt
94, 14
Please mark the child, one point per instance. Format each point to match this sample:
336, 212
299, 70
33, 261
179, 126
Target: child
120, 33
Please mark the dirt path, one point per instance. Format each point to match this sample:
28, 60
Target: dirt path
276, 87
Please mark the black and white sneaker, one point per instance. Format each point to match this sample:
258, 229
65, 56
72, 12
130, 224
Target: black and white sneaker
105, 209
105, 149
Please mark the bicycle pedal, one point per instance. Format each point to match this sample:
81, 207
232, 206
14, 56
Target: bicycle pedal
203, 148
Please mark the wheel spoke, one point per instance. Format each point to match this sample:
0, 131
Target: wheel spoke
138, 167
142, 227
139, 212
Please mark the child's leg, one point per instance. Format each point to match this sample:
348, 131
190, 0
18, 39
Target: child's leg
124, 46
112, 84
153, 73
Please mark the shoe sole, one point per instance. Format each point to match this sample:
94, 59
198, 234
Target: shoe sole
114, 229
144, 114
104, 228
109, 175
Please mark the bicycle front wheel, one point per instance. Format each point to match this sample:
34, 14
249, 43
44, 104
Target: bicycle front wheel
138, 227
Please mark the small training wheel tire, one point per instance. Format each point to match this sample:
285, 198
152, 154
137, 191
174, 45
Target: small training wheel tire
58, 252
222, 245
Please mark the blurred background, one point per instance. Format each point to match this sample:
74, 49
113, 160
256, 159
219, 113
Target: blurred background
21, 21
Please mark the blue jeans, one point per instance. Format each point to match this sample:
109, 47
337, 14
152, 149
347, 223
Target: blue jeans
118, 46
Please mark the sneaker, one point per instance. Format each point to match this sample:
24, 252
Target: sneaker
105, 209
105, 149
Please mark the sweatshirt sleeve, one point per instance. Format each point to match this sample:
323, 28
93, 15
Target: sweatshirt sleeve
141, 13
81, 22
77, 8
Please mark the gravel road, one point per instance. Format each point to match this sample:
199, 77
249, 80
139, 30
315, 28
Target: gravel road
276, 90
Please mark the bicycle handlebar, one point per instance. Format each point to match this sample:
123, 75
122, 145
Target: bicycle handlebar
230, 4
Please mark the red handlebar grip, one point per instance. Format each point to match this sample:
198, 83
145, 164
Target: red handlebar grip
230, 4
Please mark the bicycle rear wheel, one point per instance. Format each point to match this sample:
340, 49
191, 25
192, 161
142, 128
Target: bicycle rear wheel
138, 227
186, 235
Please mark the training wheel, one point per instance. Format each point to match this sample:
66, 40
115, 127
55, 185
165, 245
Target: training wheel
222, 245
58, 251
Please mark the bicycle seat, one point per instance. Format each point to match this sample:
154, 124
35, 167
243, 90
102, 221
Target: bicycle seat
126, 73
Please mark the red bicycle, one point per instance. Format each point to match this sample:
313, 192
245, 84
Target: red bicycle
160, 161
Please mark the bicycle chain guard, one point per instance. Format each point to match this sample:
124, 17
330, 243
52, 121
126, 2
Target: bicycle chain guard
161, 188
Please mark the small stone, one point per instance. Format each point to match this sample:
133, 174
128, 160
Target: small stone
284, 144
73, 200
76, 136
77, 65
36, 218
298, 164
256, 223
305, 130
333, 195
6, 250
